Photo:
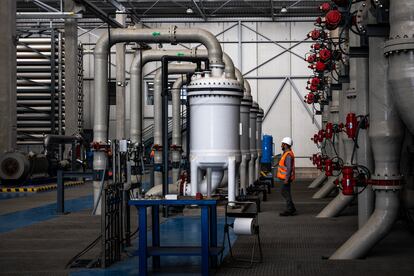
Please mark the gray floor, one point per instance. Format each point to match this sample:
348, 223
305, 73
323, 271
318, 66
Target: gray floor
291, 245
297, 245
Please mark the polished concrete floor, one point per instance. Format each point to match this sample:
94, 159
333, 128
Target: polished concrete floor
35, 241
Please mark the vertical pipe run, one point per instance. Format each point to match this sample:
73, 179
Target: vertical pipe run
120, 84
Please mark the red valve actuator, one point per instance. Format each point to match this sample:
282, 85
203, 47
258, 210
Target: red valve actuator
348, 181
315, 34
311, 58
320, 66
310, 98
351, 125
325, 54
328, 167
321, 135
325, 7
332, 19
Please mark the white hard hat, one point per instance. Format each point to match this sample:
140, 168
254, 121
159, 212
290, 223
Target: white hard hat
287, 141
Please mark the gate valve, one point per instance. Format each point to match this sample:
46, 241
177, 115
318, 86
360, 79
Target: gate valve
348, 181
325, 7
311, 58
333, 19
328, 130
320, 66
328, 167
315, 81
315, 34
351, 125
321, 135
325, 54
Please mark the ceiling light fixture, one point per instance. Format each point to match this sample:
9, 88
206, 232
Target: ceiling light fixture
189, 11
283, 9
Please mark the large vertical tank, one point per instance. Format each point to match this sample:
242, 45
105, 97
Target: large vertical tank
254, 109
214, 139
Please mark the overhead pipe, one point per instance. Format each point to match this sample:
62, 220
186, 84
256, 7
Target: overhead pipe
172, 35
158, 127
386, 135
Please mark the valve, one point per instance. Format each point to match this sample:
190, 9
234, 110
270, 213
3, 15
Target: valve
328, 167
320, 66
351, 125
325, 54
348, 181
316, 46
333, 19
315, 138
321, 135
311, 98
325, 7
328, 130
311, 58
315, 34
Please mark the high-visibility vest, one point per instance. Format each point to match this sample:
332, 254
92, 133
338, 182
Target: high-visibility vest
282, 169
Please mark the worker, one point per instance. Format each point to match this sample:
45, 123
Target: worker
286, 173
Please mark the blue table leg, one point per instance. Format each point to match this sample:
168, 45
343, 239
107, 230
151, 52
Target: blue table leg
142, 240
205, 241
213, 232
155, 233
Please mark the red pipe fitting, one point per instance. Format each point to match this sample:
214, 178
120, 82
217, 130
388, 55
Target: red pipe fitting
325, 7
325, 54
348, 181
328, 167
321, 135
351, 125
328, 130
320, 66
315, 34
310, 98
316, 46
332, 19
311, 58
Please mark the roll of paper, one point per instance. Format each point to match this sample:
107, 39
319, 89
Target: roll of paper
244, 226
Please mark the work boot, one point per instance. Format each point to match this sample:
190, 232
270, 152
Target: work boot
287, 213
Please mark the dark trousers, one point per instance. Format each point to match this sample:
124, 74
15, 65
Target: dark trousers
287, 195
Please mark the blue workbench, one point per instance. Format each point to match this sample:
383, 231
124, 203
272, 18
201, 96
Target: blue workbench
208, 246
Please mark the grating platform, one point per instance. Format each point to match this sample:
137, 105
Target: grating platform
38, 188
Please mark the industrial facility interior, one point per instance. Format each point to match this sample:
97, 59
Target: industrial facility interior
207, 137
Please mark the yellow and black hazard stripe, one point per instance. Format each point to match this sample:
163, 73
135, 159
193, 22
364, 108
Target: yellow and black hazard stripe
37, 189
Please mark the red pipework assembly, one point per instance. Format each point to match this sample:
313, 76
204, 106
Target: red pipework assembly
315, 34
351, 125
325, 7
310, 98
315, 81
325, 54
311, 58
315, 138
328, 167
328, 130
316, 46
332, 19
348, 181
321, 135
320, 66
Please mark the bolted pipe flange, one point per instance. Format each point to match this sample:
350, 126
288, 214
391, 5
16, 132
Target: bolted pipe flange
386, 184
398, 44
172, 31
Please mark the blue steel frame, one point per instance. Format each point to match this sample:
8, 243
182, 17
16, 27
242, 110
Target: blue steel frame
208, 233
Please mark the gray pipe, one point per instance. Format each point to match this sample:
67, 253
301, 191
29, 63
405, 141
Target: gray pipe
377, 227
176, 124
318, 181
162, 35
172, 69
327, 188
386, 134
336, 206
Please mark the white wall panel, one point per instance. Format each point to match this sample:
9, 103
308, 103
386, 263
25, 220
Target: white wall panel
287, 116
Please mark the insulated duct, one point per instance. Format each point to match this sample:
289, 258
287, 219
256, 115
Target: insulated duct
172, 35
